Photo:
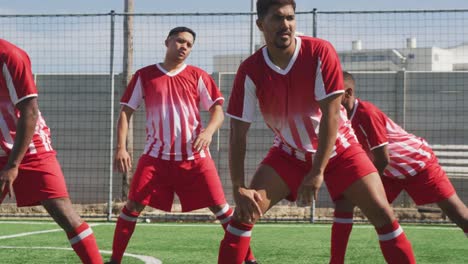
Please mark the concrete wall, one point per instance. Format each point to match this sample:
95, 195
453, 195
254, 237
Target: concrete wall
77, 109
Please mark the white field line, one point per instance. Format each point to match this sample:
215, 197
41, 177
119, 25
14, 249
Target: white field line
145, 259
356, 225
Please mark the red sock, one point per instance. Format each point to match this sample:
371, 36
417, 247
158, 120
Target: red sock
396, 248
224, 216
235, 244
84, 243
341, 229
466, 232
123, 232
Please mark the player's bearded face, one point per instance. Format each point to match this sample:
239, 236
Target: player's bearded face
279, 26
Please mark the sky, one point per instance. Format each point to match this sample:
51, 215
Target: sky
54, 42
157, 6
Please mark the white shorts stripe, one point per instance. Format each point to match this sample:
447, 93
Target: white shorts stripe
128, 218
87, 232
238, 232
392, 235
223, 211
343, 220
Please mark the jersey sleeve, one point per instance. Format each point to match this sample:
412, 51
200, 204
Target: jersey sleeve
133, 95
18, 76
243, 100
372, 124
209, 92
329, 77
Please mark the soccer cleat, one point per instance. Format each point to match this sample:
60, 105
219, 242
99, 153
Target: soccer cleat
253, 261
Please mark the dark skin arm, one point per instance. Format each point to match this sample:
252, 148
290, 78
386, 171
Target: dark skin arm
29, 113
328, 130
122, 160
381, 158
216, 120
246, 199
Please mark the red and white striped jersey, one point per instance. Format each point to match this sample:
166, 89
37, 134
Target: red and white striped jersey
408, 153
17, 84
288, 98
172, 108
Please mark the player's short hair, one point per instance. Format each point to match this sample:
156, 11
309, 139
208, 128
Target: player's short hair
264, 5
348, 77
178, 30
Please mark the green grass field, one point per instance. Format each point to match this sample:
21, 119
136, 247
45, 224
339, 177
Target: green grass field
198, 243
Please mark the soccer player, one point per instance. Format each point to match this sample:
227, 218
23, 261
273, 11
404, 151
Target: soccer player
298, 84
28, 161
176, 157
404, 161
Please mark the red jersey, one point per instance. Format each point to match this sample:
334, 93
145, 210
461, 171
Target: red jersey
408, 153
17, 84
288, 99
172, 108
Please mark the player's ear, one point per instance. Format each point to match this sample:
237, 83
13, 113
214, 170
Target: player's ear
259, 23
348, 92
166, 42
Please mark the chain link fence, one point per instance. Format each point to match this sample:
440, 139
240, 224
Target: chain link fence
412, 64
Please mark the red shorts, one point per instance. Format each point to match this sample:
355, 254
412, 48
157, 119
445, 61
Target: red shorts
196, 183
341, 171
39, 179
430, 185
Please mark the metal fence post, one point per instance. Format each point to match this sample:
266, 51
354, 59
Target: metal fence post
112, 89
314, 22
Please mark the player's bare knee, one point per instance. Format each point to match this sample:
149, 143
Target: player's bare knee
133, 206
379, 214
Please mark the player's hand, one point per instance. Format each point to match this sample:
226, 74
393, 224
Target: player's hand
309, 188
122, 160
247, 207
203, 140
7, 176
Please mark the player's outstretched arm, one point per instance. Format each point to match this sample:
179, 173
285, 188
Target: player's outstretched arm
246, 199
122, 160
329, 122
381, 158
216, 120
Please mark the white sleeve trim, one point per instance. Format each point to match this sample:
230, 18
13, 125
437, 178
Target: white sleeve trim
216, 100
330, 94
24, 98
126, 104
239, 118
381, 145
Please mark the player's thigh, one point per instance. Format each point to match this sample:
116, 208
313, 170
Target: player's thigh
271, 187
455, 209
368, 194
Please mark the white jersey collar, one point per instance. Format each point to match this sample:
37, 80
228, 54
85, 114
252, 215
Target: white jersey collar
291, 62
171, 74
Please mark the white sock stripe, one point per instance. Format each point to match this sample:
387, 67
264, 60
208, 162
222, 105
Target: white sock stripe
392, 235
238, 232
81, 236
225, 220
343, 220
223, 211
128, 218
